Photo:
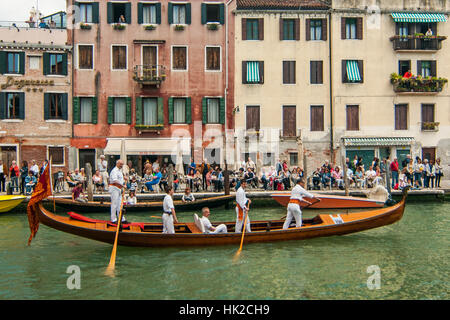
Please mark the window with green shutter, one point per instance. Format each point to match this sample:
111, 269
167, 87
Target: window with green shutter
213, 13
213, 110
160, 111
12, 62
12, 105
55, 106
116, 10
76, 110
94, 110
149, 13
179, 13
55, 63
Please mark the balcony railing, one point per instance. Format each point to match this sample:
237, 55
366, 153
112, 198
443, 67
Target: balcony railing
290, 135
149, 74
417, 84
430, 126
417, 42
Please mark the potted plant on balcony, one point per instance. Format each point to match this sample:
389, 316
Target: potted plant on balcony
85, 26
432, 126
179, 27
212, 26
150, 27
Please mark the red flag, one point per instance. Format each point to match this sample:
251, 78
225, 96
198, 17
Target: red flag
42, 190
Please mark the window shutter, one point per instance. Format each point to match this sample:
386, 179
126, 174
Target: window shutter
261, 29
281, 31
22, 62
21, 105
76, 17
343, 33
170, 107
76, 110
308, 29
344, 71
140, 11
297, 29
261, 71
203, 9
2, 62
244, 72
110, 13
65, 106
188, 110
170, 13
320, 72
244, 29
110, 110
46, 106
204, 110
313, 72
64, 64
359, 28
138, 110
128, 13
285, 71
222, 110
188, 13
158, 13
433, 68
94, 110
222, 13
46, 63
160, 111
419, 67
128, 110
361, 69
324, 29
95, 12
2, 105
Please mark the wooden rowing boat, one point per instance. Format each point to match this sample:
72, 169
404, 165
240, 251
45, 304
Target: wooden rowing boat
101, 206
188, 234
9, 202
331, 201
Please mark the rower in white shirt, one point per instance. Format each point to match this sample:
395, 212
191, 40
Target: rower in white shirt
116, 186
242, 207
169, 216
293, 208
221, 228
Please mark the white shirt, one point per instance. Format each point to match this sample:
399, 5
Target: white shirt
298, 193
155, 165
206, 223
102, 165
35, 169
116, 176
241, 199
132, 200
168, 204
371, 174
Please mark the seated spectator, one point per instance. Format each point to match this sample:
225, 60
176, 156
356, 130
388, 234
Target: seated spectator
370, 176
78, 194
30, 182
249, 176
326, 176
403, 179
407, 74
133, 184
70, 179
286, 174
264, 179
316, 179
97, 180
163, 184
132, 197
338, 178
197, 180
359, 176
187, 196
218, 182
148, 176
155, 179
77, 176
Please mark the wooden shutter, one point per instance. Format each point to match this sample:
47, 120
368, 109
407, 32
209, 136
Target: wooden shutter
170, 13
95, 12
281, 31
352, 117
170, 107
222, 13
64, 64
324, 29
46, 106
343, 33
359, 28
244, 28
244, 72
188, 13
203, 12
222, 111
160, 111
401, 112
289, 121
140, 12
427, 112
65, 106
361, 70
3, 62
46, 63
138, 110
297, 29
308, 29
22, 63
21, 105
261, 71
158, 13
2, 105
344, 71
433, 68
188, 110
319, 72
110, 110
76, 110
252, 119
204, 111
110, 17
261, 29
317, 118
94, 110
128, 13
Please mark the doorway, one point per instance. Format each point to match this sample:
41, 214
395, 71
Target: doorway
150, 62
86, 156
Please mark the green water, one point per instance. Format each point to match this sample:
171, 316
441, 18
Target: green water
412, 256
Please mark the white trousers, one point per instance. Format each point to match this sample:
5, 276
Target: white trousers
239, 223
293, 211
221, 228
116, 198
167, 220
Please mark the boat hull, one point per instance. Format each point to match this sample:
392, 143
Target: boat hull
331, 202
9, 202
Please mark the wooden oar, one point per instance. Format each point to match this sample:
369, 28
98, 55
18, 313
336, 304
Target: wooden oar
112, 260
237, 254
156, 217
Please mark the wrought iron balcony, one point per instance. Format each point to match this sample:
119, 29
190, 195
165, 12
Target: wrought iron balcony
417, 42
152, 75
430, 126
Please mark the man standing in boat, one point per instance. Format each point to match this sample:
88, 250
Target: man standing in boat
116, 186
242, 208
169, 216
293, 208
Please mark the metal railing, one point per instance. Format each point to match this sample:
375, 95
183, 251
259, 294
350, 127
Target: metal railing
417, 42
149, 73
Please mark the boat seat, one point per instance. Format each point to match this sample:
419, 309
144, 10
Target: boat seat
199, 223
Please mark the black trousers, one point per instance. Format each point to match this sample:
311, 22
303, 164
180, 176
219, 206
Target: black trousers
2, 182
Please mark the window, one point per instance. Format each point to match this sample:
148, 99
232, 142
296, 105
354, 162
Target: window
293, 158
212, 13
213, 110
179, 110
315, 29
179, 58
86, 110
289, 72
13, 65
179, 13
428, 117
401, 117
426, 68
352, 71
12, 62
12, 105
119, 57
316, 72
404, 66
149, 13
288, 29
150, 111
85, 57
268, 159
352, 117
317, 123
118, 11
289, 121
56, 154
252, 29
89, 12
55, 106
213, 58
252, 72
351, 28
34, 62
55, 63
120, 110
252, 118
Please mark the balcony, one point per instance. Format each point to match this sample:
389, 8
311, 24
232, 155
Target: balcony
253, 134
430, 126
157, 128
290, 135
149, 75
417, 84
417, 43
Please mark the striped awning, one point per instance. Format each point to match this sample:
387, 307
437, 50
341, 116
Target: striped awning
418, 17
387, 141
353, 71
253, 71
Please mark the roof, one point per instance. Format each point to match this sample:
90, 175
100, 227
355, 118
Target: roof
283, 4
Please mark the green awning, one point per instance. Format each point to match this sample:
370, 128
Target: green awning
387, 141
252, 71
418, 17
353, 74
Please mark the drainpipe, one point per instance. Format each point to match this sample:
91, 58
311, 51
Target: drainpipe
331, 85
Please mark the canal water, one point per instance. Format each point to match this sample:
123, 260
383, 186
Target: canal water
409, 258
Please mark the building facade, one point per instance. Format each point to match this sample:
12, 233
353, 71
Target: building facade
151, 81
35, 96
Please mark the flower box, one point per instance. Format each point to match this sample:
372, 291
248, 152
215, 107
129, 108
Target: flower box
144, 127
179, 27
417, 83
85, 26
119, 26
212, 26
430, 126
150, 27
